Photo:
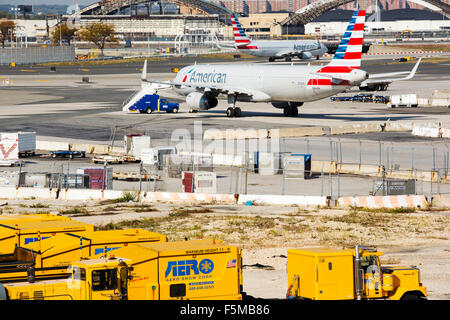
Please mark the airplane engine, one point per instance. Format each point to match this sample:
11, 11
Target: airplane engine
306, 55
197, 100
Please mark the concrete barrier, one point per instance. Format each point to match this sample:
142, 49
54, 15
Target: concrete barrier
180, 197
356, 128
406, 201
441, 201
403, 126
440, 102
326, 166
297, 132
89, 194
235, 134
433, 131
284, 200
27, 193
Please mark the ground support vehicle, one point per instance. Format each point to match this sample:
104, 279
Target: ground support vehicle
51, 256
149, 103
335, 274
97, 279
67, 154
193, 269
22, 231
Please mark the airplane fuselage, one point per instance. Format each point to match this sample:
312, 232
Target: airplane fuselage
275, 48
266, 83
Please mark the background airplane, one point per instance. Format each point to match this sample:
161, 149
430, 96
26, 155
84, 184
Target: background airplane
276, 49
286, 87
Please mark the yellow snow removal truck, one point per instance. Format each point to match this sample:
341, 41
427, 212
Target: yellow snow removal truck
50, 257
194, 269
96, 279
334, 274
23, 231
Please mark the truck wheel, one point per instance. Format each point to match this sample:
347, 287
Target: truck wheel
148, 110
53, 155
175, 110
411, 296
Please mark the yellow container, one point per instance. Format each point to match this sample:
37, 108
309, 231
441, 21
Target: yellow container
194, 269
321, 273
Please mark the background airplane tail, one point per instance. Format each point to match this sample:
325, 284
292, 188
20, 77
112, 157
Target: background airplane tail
239, 34
349, 51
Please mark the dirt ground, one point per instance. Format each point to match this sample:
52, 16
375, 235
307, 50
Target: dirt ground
407, 237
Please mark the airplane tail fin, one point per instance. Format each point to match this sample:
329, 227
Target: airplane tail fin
349, 51
240, 37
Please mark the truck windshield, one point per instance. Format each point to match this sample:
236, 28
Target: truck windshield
370, 261
104, 279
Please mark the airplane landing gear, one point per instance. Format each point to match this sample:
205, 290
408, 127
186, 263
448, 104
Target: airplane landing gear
271, 59
288, 59
290, 112
233, 111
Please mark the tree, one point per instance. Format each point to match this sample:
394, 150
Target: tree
7, 29
98, 33
63, 32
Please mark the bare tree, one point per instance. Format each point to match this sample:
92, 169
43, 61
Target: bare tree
99, 34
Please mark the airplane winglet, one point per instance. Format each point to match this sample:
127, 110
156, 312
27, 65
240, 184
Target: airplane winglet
144, 72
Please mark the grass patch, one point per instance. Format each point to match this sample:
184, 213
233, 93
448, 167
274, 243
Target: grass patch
383, 210
38, 205
127, 196
82, 63
73, 211
147, 223
186, 212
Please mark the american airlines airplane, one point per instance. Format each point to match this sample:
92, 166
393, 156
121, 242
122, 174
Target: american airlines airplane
287, 87
276, 49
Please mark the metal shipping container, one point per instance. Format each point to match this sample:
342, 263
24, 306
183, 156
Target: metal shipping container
99, 178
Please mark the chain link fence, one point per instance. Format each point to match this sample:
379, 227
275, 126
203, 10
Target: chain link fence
33, 55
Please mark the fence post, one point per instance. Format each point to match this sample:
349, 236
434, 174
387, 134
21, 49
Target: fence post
322, 183
231, 179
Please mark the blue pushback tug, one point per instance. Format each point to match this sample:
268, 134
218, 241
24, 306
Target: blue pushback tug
150, 103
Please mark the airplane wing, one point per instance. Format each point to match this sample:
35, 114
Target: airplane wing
256, 95
386, 77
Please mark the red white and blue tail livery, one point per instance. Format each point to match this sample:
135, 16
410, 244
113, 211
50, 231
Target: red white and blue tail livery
349, 51
240, 38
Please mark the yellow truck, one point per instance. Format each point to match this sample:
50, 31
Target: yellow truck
50, 257
335, 274
194, 269
24, 231
91, 279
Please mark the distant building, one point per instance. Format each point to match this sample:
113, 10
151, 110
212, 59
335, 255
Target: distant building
264, 6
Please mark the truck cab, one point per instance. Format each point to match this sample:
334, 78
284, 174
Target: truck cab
97, 279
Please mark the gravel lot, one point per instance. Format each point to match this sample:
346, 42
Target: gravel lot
419, 238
